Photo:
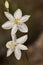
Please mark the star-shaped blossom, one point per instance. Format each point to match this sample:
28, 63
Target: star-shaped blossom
16, 45
16, 22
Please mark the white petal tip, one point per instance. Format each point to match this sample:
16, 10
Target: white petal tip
26, 31
28, 16
5, 12
23, 47
2, 26
26, 36
18, 9
7, 55
18, 58
26, 49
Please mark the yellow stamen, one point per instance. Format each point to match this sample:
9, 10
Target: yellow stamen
11, 44
16, 21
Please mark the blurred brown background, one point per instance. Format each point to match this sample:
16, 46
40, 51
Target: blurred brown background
34, 56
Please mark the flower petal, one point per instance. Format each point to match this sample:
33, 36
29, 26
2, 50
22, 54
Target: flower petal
18, 14
22, 39
22, 47
17, 53
9, 52
14, 30
23, 28
7, 25
9, 16
25, 18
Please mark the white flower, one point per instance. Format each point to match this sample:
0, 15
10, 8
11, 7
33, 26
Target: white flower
6, 4
16, 22
16, 46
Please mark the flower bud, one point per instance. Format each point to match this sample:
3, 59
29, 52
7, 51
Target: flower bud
6, 4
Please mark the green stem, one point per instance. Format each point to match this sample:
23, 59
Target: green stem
7, 9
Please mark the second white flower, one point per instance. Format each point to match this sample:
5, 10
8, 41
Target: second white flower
16, 45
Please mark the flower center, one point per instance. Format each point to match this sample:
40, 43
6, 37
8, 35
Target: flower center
11, 44
16, 20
